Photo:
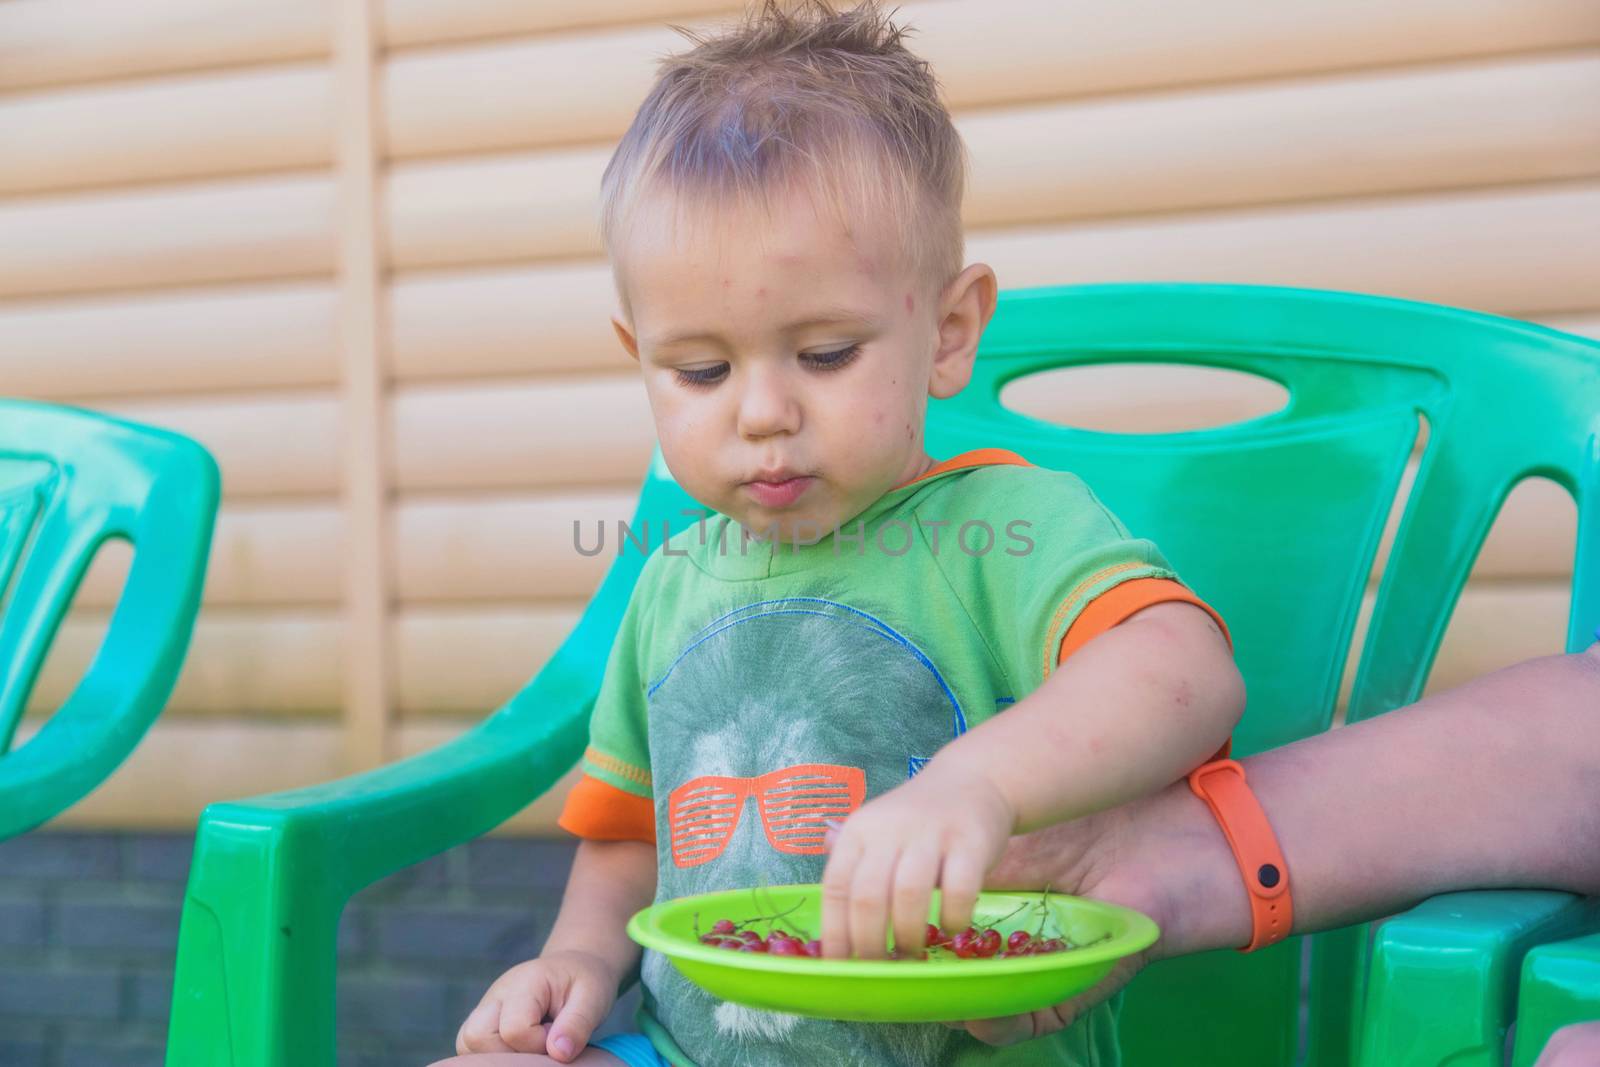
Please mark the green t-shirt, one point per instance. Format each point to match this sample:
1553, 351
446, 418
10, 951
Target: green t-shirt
758, 688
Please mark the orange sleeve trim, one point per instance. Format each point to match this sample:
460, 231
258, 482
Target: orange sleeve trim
1070, 603
1119, 602
977, 457
599, 811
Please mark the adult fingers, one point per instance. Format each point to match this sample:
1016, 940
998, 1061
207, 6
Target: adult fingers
913, 888
1007, 1030
1011, 1029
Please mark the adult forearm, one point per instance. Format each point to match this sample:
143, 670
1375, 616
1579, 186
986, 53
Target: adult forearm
1494, 784
610, 881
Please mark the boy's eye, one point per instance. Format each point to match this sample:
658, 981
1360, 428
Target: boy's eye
701, 375
832, 360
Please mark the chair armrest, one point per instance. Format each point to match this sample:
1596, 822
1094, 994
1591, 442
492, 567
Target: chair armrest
1442, 984
380, 821
256, 949
1560, 985
254, 985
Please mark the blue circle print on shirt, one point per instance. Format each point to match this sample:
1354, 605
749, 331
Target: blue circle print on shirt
862, 678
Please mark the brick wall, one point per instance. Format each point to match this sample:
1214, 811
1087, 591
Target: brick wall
89, 922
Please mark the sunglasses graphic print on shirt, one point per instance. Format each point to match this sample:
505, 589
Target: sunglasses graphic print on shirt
795, 804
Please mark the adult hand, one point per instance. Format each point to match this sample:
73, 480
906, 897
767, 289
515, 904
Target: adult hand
1163, 856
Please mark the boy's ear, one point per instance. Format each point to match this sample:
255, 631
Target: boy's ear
965, 308
625, 337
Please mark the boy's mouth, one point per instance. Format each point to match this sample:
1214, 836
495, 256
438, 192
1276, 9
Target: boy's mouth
780, 492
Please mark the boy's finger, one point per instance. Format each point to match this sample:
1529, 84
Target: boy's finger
522, 1019
959, 882
836, 879
913, 888
831, 834
869, 904
481, 1031
584, 1009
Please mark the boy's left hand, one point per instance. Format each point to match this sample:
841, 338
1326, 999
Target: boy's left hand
942, 828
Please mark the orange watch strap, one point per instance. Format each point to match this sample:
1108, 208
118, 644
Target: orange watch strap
1222, 785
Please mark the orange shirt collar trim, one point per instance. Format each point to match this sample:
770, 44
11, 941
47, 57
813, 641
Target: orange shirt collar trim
977, 457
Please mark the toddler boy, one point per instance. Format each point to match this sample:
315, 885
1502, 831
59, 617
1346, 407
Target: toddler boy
940, 654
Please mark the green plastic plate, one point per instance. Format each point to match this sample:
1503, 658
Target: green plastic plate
933, 990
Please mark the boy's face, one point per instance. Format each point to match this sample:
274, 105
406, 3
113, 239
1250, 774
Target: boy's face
789, 362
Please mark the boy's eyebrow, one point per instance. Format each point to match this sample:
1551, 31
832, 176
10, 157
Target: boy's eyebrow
831, 317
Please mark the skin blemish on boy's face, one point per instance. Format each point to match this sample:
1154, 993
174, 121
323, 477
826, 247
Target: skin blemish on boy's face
789, 268
911, 304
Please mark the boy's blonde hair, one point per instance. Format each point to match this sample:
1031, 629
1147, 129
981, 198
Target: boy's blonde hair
800, 94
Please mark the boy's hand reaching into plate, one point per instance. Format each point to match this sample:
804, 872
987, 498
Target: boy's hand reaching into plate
941, 829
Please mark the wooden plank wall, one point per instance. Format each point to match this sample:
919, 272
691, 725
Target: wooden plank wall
349, 245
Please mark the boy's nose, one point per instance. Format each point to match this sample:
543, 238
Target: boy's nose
767, 405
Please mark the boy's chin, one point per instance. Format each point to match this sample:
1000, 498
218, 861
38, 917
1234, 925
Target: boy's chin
789, 529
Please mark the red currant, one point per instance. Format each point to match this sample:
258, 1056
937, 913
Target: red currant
723, 927
813, 948
1017, 940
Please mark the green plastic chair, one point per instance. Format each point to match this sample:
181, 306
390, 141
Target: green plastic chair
1560, 986
69, 481
1443, 983
1298, 496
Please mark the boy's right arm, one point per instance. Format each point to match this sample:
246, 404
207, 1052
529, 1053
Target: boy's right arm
574, 981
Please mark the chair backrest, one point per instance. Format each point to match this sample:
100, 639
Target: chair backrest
1276, 522
71, 480
1277, 519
